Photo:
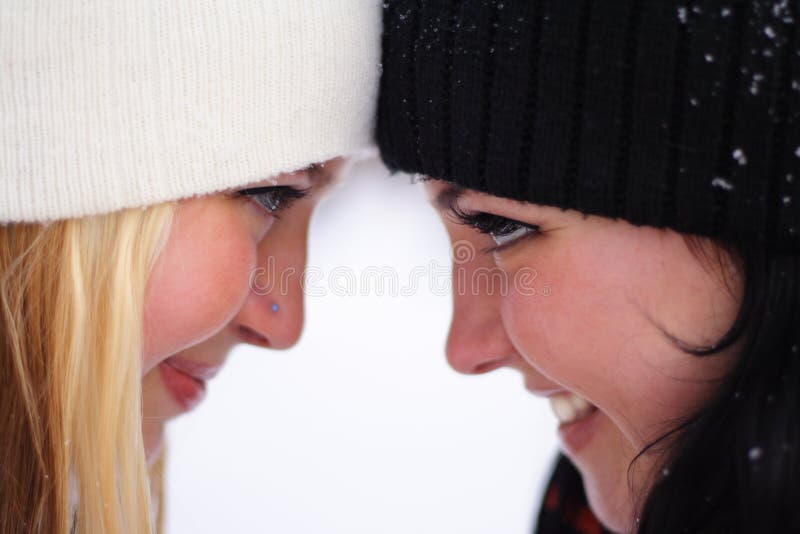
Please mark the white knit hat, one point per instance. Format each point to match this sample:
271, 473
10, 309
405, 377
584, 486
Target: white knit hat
108, 104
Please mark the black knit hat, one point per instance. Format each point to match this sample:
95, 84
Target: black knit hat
662, 113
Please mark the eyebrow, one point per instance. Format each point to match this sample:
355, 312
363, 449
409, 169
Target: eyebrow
324, 178
447, 196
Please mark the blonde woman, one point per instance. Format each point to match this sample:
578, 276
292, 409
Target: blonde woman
152, 156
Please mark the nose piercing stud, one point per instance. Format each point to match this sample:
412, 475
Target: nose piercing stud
274, 308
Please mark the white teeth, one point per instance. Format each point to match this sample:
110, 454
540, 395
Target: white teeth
562, 407
569, 407
580, 404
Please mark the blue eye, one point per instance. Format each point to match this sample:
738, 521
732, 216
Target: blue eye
274, 199
505, 232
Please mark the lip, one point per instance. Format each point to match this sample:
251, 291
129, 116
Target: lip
576, 436
541, 391
186, 380
197, 370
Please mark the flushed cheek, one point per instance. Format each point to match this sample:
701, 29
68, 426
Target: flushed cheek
592, 339
196, 289
561, 332
580, 337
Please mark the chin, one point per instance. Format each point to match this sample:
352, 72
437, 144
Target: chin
153, 442
612, 504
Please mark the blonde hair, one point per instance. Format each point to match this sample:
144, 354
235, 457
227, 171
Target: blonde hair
71, 302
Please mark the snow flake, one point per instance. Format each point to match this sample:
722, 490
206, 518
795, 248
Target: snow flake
740, 157
787, 200
709, 57
725, 12
755, 453
682, 14
780, 8
722, 183
754, 86
769, 32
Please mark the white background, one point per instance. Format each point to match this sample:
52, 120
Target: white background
362, 427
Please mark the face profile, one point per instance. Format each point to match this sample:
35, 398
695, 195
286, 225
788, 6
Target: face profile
624, 302
618, 154
618, 184
154, 158
200, 299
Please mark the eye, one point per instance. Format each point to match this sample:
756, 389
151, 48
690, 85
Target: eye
274, 199
505, 232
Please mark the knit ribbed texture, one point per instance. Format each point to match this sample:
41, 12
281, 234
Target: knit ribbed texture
109, 104
661, 113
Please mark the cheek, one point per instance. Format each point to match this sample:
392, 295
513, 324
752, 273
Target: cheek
198, 284
593, 336
573, 334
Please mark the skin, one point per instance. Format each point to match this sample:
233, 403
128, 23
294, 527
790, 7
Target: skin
620, 296
199, 300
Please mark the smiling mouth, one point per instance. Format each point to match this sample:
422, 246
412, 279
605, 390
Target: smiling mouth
186, 390
186, 379
570, 408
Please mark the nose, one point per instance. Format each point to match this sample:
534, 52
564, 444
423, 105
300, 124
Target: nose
477, 342
272, 314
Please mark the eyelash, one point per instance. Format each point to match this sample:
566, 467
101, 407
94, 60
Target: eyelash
274, 199
494, 226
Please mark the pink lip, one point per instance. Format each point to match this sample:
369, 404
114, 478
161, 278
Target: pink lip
186, 390
196, 370
575, 436
186, 380
543, 392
